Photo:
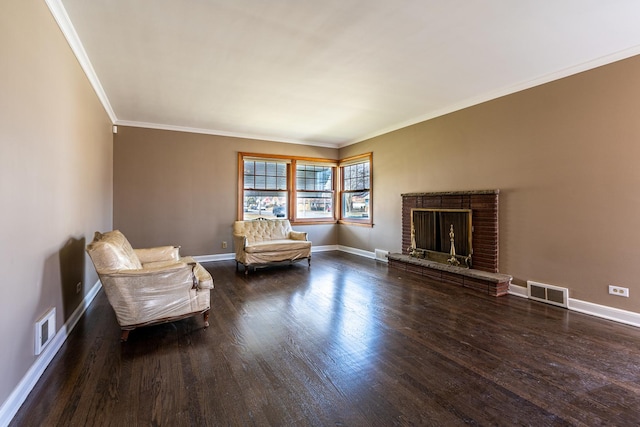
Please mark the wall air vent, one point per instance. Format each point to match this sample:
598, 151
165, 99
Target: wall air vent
381, 255
45, 330
548, 293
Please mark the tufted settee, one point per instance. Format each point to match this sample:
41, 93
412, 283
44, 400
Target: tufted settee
149, 286
264, 241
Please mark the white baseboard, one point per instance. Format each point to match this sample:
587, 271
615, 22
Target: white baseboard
325, 248
11, 406
355, 251
610, 313
217, 257
597, 310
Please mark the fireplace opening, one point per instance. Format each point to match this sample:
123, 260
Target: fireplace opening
443, 235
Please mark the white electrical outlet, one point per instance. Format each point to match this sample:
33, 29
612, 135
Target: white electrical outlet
78, 287
619, 291
224, 245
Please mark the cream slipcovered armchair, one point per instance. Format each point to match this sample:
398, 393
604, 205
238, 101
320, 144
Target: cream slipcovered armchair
264, 241
149, 286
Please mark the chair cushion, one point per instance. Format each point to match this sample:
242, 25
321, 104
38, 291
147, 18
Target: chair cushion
112, 251
277, 245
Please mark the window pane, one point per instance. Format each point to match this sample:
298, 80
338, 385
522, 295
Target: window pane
271, 169
356, 177
314, 205
281, 183
265, 175
355, 205
249, 167
312, 177
265, 204
271, 183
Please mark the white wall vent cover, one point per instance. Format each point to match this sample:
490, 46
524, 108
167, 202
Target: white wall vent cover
45, 330
381, 255
548, 293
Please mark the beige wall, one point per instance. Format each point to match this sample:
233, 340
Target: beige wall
565, 156
181, 188
55, 180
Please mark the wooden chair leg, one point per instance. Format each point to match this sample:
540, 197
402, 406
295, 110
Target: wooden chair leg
206, 318
125, 335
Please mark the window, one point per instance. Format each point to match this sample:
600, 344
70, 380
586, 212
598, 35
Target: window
265, 189
314, 191
305, 190
355, 199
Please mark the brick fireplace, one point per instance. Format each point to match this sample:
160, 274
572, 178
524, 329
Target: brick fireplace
484, 274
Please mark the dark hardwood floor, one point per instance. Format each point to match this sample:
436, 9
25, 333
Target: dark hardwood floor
346, 342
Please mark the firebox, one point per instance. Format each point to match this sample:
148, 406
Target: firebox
443, 235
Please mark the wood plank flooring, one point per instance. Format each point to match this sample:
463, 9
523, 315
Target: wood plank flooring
346, 342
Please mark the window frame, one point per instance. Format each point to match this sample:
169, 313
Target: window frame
241, 180
292, 191
350, 161
314, 162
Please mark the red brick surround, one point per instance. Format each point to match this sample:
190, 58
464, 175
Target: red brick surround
484, 206
483, 276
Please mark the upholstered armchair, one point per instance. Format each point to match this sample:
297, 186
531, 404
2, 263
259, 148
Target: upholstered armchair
149, 286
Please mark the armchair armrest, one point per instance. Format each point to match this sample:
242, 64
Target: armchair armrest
298, 235
239, 243
147, 294
240, 240
178, 272
159, 253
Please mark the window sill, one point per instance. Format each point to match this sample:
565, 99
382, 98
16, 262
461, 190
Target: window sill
356, 223
314, 222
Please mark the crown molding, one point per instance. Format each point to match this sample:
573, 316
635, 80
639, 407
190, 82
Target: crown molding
508, 90
173, 128
64, 23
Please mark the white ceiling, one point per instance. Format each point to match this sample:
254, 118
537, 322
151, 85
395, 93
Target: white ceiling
330, 72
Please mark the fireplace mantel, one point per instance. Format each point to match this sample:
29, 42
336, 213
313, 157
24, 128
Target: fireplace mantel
452, 193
